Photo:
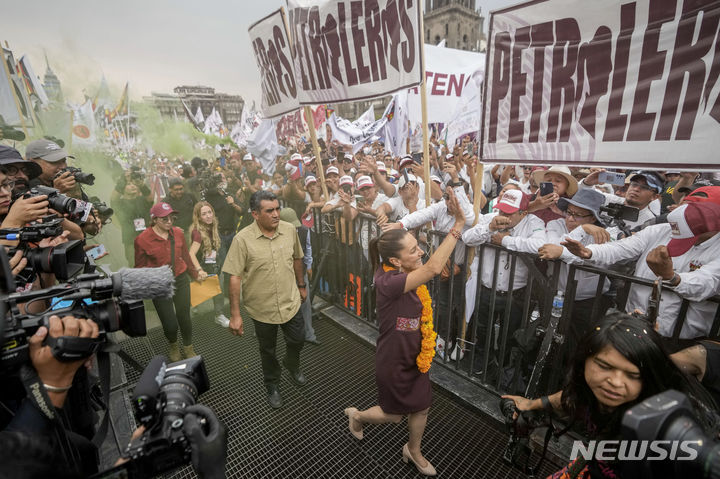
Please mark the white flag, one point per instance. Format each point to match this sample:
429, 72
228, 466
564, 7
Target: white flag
264, 146
466, 117
199, 118
213, 123
356, 133
397, 128
83, 130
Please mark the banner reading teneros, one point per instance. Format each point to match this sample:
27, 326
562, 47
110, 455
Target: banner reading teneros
610, 83
347, 50
271, 46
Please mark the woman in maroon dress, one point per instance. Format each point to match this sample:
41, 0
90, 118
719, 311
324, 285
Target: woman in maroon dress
402, 388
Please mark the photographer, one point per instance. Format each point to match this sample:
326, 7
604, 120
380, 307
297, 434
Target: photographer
52, 159
617, 365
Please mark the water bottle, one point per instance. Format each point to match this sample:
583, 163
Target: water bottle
557, 305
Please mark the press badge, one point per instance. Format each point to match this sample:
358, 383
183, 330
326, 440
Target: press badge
211, 258
139, 224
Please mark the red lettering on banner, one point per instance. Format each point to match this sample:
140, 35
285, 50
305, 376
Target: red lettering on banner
516, 127
652, 64
712, 80
594, 67
687, 58
373, 25
616, 121
391, 31
456, 83
316, 46
331, 40
352, 78
358, 40
408, 45
500, 80
439, 83
540, 36
268, 84
562, 86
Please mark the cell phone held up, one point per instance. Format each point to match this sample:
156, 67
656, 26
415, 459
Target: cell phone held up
546, 188
611, 177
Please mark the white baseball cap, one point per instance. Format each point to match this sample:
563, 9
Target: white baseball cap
403, 182
381, 166
332, 170
346, 180
310, 179
364, 181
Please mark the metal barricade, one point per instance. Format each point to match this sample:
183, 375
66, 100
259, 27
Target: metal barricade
497, 341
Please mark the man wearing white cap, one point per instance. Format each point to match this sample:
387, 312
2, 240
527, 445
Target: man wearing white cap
343, 199
408, 200
685, 253
511, 223
378, 171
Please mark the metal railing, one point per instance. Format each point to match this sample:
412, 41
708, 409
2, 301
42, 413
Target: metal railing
497, 341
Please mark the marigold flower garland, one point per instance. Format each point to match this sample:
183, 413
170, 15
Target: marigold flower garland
427, 346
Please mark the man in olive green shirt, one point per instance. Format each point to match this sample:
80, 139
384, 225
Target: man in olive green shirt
265, 263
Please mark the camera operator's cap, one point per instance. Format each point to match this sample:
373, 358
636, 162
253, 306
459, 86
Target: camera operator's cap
405, 179
364, 181
689, 221
332, 170
512, 201
247, 157
289, 215
309, 180
704, 194
586, 199
346, 180
653, 179
405, 162
10, 156
381, 166
564, 171
45, 150
161, 210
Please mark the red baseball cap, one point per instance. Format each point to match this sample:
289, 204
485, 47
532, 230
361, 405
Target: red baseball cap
512, 201
704, 194
161, 210
690, 221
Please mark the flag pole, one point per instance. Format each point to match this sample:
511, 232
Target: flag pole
423, 107
72, 120
17, 102
127, 98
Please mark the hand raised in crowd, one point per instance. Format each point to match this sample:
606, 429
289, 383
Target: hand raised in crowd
51, 371
542, 202
660, 262
550, 251
600, 235
417, 170
345, 197
499, 223
26, 210
453, 206
593, 178
17, 262
65, 182
451, 170
391, 226
577, 248
381, 219
229, 199
236, 325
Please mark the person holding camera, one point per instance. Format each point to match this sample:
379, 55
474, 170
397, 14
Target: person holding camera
619, 364
52, 159
164, 244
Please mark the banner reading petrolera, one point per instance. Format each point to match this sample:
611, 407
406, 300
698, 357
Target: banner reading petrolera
347, 50
273, 55
612, 83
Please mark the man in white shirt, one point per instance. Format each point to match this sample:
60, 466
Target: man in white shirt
511, 225
370, 202
407, 201
685, 253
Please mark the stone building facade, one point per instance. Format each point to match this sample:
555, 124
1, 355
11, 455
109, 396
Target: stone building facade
170, 104
456, 21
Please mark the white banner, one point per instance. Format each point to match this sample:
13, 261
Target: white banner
609, 83
347, 50
273, 55
83, 129
34, 86
264, 146
466, 117
356, 134
447, 71
397, 129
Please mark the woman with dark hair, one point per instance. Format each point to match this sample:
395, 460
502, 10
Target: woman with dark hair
620, 363
406, 344
164, 244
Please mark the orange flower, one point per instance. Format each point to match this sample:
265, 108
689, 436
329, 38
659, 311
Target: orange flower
427, 346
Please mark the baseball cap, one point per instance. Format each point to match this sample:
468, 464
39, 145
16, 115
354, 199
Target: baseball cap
308, 159
436, 179
405, 162
381, 166
247, 157
332, 169
296, 158
690, 221
161, 210
289, 215
45, 150
704, 194
10, 156
405, 179
653, 179
346, 180
364, 181
310, 179
512, 201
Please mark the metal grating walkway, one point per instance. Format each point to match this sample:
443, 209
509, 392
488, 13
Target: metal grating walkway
308, 438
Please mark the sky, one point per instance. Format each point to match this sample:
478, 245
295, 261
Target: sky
155, 45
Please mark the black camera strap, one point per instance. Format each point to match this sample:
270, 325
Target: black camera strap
39, 398
172, 249
103, 359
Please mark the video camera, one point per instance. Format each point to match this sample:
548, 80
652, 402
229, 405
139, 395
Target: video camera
160, 399
667, 422
7, 132
521, 424
80, 176
210, 181
64, 260
103, 210
616, 214
77, 210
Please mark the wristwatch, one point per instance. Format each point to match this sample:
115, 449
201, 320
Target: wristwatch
301, 286
455, 184
674, 281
